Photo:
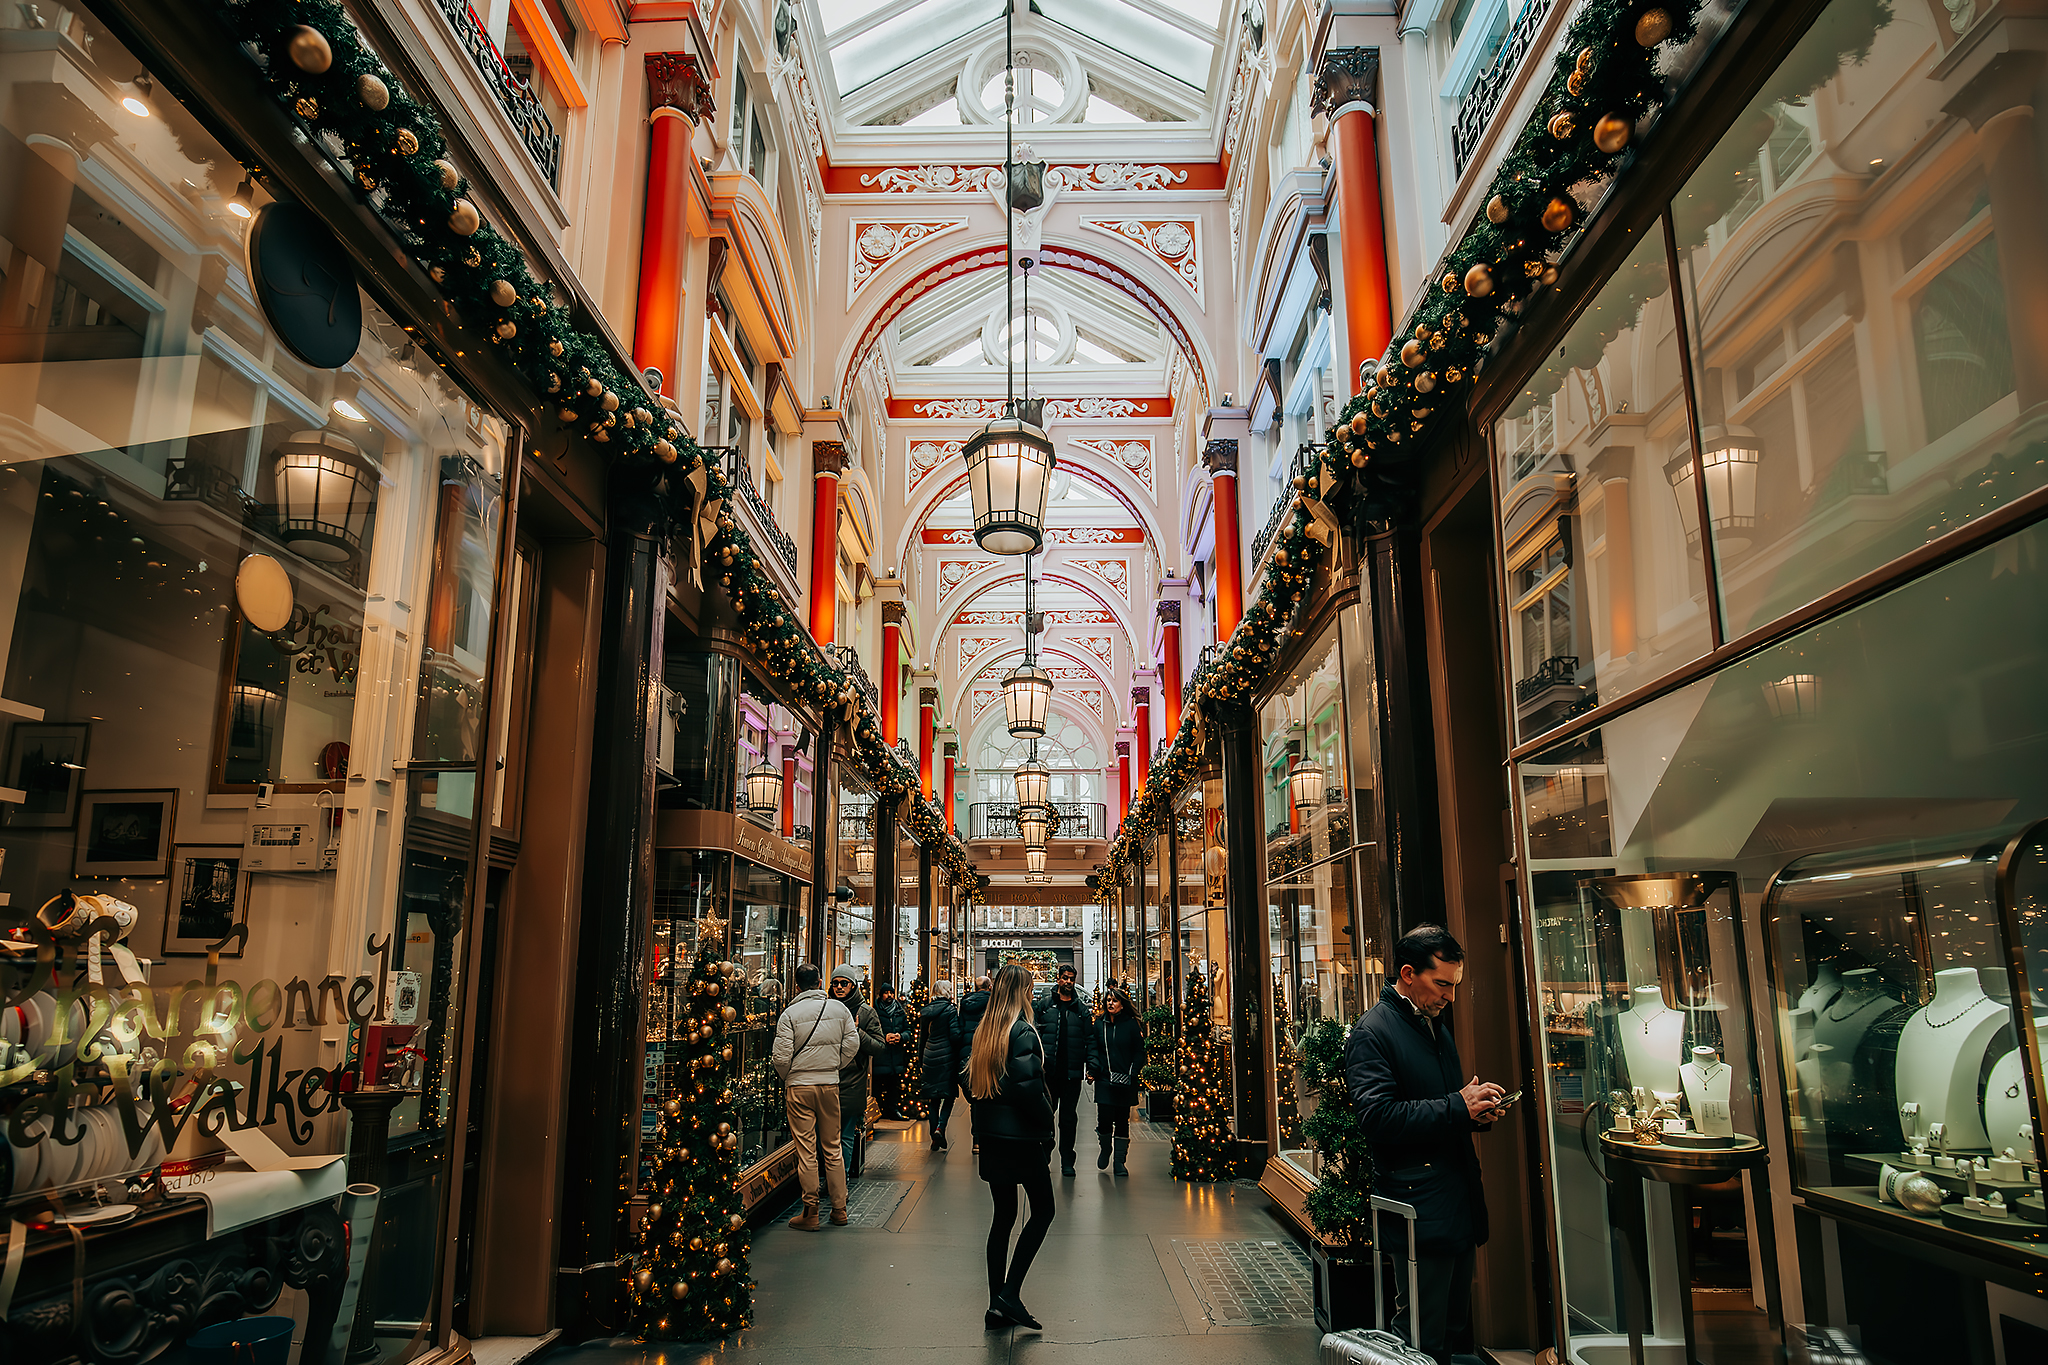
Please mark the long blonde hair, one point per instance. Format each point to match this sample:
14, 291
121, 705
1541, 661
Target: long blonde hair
1009, 1000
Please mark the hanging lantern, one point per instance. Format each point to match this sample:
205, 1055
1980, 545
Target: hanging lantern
1307, 780
326, 491
864, 861
1009, 467
1027, 695
1729, 457
1034, 823
764, 788
1796, 696
1034, 784
1034, 860
1038, 878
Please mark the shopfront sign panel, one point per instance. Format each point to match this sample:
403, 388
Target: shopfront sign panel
717, 830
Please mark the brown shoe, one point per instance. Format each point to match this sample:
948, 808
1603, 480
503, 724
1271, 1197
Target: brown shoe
807, 1221
838, 1218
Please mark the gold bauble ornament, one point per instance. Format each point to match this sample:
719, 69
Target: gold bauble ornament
463, 218
1450, 281
307, 108
408, 141
555, 347
507, 330
309, 50
642, 1279
372, 92
1549, 276
450, 177
1411, 355
696, 1244
593, 386
1575, 84
1559, 214
1563, 125
1653, 27
437, 274
1611, 133
1496, 210
1424, 382
724, 1266
1358, 459
503, 294
1479, 281
672, 1108
611, 401
679, 1290
728, 1013
1358, 424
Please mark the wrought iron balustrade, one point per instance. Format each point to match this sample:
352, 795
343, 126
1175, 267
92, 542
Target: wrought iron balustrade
1304, 461
1483, 100
515, 96
1559, 670
843, 657
1078, 820
741, 477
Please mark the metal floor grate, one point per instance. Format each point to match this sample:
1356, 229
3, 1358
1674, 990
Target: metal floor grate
870, 1203
883, 1156
1247, 1284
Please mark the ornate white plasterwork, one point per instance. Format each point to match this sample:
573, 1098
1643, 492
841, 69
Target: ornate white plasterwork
1175, 243
1102, 647
1056, 409
980, 700
1074, 616
956, 535
1135, 456
1099, 176
872, 243
1091, 697
954, 572
792, 72
1095, 535
972, 647
1115, 572
925, 457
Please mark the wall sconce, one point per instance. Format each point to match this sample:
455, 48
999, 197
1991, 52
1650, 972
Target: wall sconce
764, 789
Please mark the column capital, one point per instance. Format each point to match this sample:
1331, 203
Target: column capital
1345, 74
1123, 748
1168, 611
1141, 696
828, 459
676, 80
1220, 456
928, 696
892, 612
952, 748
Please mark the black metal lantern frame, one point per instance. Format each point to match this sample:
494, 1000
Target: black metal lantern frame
326, 492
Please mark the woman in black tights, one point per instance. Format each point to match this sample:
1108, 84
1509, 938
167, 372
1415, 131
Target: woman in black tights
1013, 1130
1116, 1049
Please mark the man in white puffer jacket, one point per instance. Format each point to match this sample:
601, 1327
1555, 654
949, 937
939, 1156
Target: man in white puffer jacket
814, 1038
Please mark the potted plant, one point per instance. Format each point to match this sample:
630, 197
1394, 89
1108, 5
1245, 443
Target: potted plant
1156, 1075
1340, 1206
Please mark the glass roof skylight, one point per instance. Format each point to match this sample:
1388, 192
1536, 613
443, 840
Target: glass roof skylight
869, 39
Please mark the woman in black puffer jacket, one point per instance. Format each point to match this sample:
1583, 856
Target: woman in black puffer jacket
940, 1053
1013, 1129
1116, 1047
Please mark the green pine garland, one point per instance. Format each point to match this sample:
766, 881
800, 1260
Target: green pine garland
689, 1273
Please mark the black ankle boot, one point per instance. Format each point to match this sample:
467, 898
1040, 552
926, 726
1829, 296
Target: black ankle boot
1123, 1149
1102, 1157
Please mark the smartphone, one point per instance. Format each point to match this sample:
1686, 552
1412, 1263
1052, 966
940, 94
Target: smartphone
1507, 1102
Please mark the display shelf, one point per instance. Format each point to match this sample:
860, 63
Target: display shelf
1950, 1181
1860, 1204
20, 709
12, 796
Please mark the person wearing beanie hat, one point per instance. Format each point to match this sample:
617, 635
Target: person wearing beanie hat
853, 1077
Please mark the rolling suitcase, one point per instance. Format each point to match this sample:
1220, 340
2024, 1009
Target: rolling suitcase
1379, 1346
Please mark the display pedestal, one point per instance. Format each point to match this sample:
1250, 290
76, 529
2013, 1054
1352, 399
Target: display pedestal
1628, 1166
369, 1134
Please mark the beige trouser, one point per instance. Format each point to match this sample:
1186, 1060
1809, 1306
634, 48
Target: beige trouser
814, 1123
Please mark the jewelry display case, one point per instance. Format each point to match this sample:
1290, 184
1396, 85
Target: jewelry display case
1906, 981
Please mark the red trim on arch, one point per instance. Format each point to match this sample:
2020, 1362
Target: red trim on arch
906, 410
1092, 477
971, 179
963, 537
979, 588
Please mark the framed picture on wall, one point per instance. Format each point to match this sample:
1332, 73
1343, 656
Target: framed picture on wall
47, 763
209, 896
125, 833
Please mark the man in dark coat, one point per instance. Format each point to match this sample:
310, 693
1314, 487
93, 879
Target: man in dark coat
895, 1058
971, 1010
942, 1053
1401, 1064
1065, 1021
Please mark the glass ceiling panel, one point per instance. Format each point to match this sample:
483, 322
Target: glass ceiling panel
1142, 36
874, 51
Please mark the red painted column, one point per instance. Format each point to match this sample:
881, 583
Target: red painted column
1123, 780
1220, 458
927, 721
1169, 665
1141, 712
678, 95
828, 462
1344, 86
890, 677
952, 759
1293, 811
789, 791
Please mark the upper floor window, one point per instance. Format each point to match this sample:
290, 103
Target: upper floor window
752, 142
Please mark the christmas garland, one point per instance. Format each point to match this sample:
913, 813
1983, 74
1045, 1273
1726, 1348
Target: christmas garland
319, 68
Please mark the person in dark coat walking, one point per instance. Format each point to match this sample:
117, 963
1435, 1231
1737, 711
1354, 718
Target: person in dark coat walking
1065, 1022
1401, 1065
1116, 1047
1013, 1130
971, 1010
853, 1077
894, 1058
941, 1053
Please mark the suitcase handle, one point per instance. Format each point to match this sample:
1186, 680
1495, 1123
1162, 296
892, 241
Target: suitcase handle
1379, 1295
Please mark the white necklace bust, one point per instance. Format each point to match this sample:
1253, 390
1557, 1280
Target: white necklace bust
1651, 1036
1941, 1055
1707, 1082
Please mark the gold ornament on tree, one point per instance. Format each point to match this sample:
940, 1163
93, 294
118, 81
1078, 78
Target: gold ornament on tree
1611, 133
374, 94
1653, 27
463, 219
309, 50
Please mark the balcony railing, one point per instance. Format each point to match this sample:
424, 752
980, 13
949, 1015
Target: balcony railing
1482, 101
1304, 460
741, 478
1559, 670
1029, 917
842, 656
514, 95
1078, 820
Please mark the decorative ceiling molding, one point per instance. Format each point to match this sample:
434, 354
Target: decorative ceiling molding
1079, 616
954, 572
1175, 243
1136, 456
1054, 535
1115, 572
1091, 697
972, 647
1056, 409
1102, 647
1095, 177
980, 699
924, 458
872, 243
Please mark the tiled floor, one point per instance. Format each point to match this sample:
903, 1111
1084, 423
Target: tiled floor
1138, 1271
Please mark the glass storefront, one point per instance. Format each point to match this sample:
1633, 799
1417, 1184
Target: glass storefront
246, 620
1786, 917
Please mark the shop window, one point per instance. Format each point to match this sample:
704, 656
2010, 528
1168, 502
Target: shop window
1857, 368
536, 38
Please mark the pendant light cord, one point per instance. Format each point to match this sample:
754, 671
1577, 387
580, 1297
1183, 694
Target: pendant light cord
1009, 217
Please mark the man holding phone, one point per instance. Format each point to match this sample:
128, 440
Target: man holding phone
1401, 1065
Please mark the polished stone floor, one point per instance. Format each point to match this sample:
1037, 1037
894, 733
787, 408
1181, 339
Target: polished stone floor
1138, 1271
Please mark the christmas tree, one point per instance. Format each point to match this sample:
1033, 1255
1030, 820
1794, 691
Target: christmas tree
690, 1280
1201, 1109
1340, 1206
911, 1102
1285, 1057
